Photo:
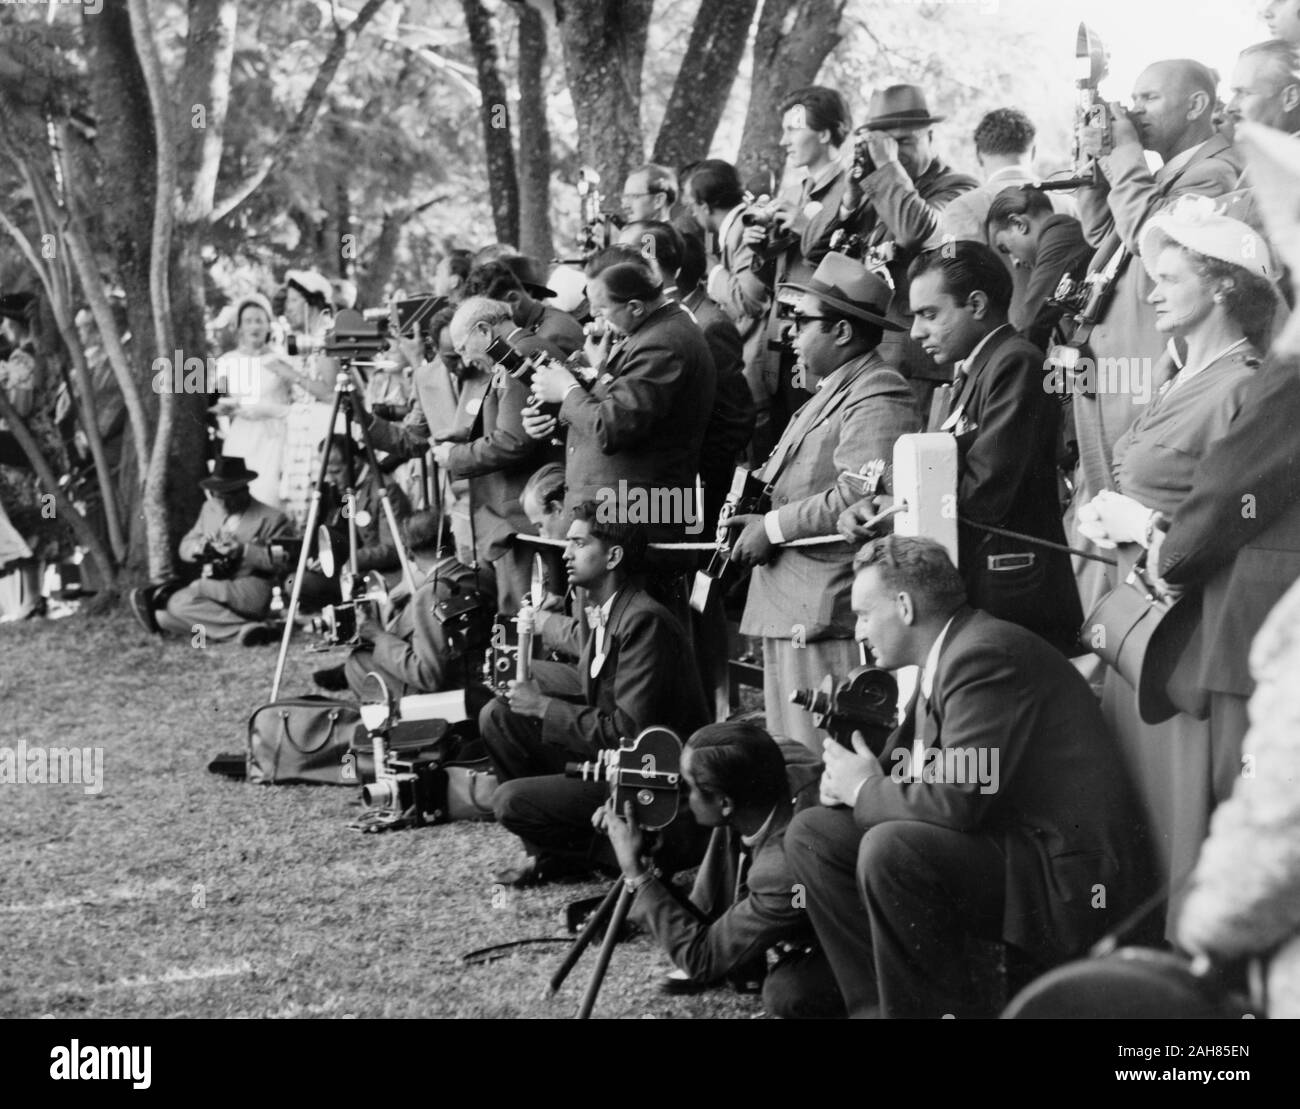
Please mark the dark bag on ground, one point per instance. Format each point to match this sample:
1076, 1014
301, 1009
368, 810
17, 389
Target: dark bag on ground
302, 740
464, 787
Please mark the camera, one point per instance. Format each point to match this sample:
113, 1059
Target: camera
759, 215
866, 701
645, 772
404, 784
337, 624
217, 562
466, 620
863, 164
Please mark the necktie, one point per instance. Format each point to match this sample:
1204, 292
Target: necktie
918, 734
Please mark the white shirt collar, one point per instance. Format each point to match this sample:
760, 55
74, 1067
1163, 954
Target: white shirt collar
932, 660
960, 367
727, 221
749, 841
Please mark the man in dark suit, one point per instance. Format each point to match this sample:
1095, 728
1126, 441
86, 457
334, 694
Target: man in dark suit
1006, 426
799, 596
635, 669
740, 786
634, 438
894, 203
997, 810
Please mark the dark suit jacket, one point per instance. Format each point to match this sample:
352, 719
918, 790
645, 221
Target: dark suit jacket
1062, 249
1006, 432
1237, 533
643, 421
1060, 804
648, 678
731, 423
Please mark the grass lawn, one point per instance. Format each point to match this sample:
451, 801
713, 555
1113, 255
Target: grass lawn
177, 893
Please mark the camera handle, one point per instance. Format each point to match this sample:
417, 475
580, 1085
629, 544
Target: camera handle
345, 400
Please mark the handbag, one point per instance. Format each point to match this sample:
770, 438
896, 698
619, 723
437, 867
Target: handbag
302, 740
464, 787
1143, 636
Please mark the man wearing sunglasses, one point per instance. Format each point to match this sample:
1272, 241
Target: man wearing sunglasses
799, 596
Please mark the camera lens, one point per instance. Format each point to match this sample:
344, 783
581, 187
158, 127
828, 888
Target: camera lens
380, 795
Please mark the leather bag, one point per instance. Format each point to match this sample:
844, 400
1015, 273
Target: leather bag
302, 740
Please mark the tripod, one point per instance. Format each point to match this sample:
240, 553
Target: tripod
345, 400
612, 912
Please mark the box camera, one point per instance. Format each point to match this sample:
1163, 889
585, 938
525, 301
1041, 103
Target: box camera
405, 784
337, 624
217, 562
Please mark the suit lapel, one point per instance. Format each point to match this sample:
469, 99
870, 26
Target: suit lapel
823, 405
610, 645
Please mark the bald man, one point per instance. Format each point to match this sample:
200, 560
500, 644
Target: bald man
1172, 116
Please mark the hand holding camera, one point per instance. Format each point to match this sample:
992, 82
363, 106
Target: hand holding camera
526, 699
625, 836
538, 424
846, 770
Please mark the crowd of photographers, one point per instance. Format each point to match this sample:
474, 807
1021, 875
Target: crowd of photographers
1114, 363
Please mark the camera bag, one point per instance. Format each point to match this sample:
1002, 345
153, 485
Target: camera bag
463, 789
302, 739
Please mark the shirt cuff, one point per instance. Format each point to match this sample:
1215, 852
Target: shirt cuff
853, 804
772, 525
569, 390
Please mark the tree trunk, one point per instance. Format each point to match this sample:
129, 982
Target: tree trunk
503, 185
604, 45
704, 82
792, 41
534, 138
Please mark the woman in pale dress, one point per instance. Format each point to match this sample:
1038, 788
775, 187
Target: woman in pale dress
307, 309
1213, 292
257, 380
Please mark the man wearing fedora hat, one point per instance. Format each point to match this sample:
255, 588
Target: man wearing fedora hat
894, 202
244, 530
799, 596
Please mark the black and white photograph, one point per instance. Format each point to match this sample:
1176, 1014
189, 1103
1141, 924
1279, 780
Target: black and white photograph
726, 510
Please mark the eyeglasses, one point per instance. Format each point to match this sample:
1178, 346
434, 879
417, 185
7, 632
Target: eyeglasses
799, 319
636, 196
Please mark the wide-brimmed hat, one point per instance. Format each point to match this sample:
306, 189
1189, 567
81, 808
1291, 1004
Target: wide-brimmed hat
849, 287
309, 282
898, 106
1198, 223
531, 273
230, 472
257, 300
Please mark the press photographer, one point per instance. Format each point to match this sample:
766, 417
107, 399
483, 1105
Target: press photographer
234, 539
739, 786
426, 645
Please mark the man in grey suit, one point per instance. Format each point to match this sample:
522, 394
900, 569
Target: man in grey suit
799, 596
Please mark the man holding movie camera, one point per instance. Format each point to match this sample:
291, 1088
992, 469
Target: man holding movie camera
635, 668
891, 201
740, 786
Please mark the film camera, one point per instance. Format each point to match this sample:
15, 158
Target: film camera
404, 788
866, 701
748, 495
218, 560
337, 624
645, 771
863, 164
1091, 112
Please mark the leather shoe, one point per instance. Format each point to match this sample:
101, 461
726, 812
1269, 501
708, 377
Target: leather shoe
256, 635
677, 983
141, 601
331, 678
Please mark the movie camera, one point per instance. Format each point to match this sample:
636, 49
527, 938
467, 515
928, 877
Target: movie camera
866, 701
645, 771
598, 222
1091, 112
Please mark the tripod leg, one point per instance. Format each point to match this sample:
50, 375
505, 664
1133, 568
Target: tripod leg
313, 513
358, 414
606, 950
585, 937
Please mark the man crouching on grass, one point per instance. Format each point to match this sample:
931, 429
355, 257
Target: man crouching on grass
739, 787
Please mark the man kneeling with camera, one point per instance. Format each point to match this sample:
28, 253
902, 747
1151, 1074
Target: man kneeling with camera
635, 669
428, 642
739, 785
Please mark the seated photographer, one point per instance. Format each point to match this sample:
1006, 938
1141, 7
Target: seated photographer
234, 541
376, 547
635, 669
416, 652
998, 809
740, 787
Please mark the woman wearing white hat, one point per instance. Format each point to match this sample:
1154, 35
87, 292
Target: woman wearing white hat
307, 309
1214, 297
258, 382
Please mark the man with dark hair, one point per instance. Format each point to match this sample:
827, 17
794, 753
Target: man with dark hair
714, 196
453, 268
1042, 246
894, 204
635, 669
414, 652
740, 786
1006, 427
1004, 148
798, 599
998, 809
634, 437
